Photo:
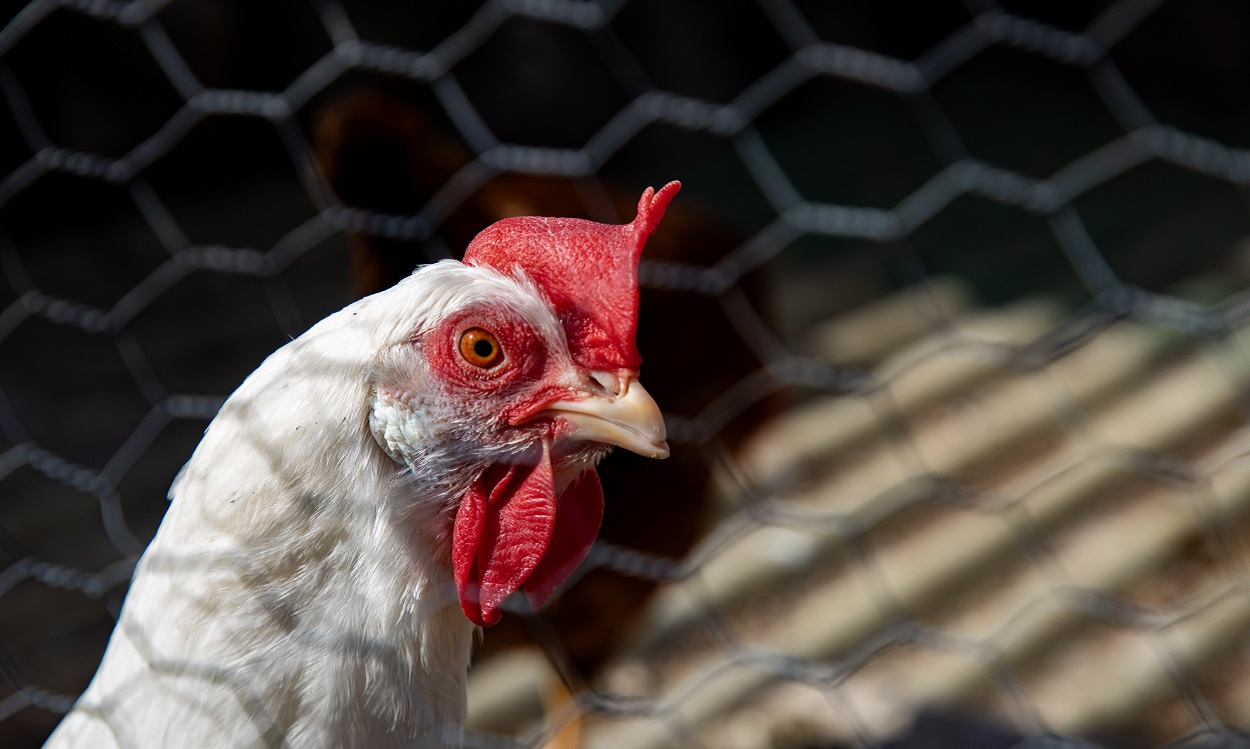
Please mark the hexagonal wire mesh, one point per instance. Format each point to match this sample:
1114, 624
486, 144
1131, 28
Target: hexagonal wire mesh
948, 329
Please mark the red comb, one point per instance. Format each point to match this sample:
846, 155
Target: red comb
588, 270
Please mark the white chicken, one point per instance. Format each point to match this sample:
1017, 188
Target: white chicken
374, 491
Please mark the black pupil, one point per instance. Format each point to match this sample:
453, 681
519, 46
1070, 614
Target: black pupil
483, 348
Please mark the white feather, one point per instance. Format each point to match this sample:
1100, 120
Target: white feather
298, 592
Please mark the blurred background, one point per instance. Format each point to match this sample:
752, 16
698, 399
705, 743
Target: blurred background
948, 323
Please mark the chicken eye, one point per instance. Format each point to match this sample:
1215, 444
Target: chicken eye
480, 348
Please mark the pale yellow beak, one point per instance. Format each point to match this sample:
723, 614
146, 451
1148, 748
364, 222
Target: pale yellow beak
628, 418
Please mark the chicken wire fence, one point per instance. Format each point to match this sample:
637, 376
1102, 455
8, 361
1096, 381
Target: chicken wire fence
949, 330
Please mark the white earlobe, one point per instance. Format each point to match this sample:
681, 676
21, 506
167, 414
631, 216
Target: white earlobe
397, 424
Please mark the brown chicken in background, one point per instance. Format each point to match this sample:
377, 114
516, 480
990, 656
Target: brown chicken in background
384, 154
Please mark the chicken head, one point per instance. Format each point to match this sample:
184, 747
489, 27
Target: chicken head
521, 376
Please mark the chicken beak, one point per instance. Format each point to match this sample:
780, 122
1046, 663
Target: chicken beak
629, 418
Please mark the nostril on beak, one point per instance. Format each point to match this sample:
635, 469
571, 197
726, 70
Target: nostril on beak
607, 380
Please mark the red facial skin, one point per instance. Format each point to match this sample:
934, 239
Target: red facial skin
512, 529
523, 383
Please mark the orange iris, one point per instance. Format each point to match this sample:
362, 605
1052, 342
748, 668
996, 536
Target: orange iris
480, 348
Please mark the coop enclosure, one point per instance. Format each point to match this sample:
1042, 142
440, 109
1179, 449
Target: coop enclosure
949, 324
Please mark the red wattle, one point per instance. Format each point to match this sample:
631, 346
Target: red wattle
511, 532
579, 513
502, 529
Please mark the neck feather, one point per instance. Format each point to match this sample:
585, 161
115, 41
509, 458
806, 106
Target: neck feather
300, 561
